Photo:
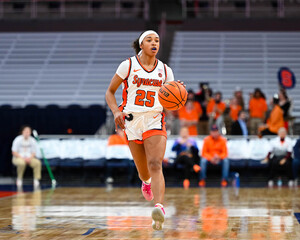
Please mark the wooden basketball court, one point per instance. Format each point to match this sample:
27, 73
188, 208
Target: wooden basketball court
122, 213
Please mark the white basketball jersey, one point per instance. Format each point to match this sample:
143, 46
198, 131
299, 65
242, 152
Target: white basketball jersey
140, 87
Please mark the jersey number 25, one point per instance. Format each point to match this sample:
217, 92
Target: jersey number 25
140, 96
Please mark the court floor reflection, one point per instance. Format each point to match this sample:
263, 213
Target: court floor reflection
122, 213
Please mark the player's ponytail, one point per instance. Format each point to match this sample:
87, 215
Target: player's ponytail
136, 46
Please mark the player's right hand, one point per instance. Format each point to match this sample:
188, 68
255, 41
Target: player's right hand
120, 119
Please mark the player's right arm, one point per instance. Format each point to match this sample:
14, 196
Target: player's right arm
116, 81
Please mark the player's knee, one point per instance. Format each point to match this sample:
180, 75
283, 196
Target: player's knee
154, 165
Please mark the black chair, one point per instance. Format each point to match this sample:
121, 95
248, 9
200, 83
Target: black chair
52, 106
6, 106
31, 107
74, 106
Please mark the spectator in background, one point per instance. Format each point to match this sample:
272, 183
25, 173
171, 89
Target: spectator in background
172, 122
214, 152
257, 110
203, 128
238, 94
285, 105
235, 108
189, 114
201, 96
239, 127
24, 149
296, 161
187, 155
215, 109
275, 121
279, 158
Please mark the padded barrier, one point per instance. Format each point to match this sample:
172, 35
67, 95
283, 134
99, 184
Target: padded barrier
241, 152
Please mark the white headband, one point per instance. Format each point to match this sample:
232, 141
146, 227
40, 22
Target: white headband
145, 34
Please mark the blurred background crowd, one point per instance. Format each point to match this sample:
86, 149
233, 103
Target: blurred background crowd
261, 115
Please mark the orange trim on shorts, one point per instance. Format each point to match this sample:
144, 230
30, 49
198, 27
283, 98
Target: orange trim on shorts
154, 132
138, 141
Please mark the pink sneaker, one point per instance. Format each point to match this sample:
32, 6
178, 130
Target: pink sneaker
147, 192
158, 217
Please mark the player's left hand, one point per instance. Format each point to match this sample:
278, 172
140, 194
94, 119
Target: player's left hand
182, 83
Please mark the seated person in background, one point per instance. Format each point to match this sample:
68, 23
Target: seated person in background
275, 121
189, 114
24, 148
239, 127
187, 155
279, 158
215, 109
214, 152
257, 110
296, 161
234, 109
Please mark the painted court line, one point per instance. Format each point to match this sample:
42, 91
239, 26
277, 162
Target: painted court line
89, 231
297, 215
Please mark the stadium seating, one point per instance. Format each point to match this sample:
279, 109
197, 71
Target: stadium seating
75, 68
60, 68
230, 59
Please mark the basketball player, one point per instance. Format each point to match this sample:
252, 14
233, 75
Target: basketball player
141, 116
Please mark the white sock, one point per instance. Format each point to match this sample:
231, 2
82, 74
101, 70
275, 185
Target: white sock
148, 181
159, 205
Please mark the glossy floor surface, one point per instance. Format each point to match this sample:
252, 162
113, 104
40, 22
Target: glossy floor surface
122, 213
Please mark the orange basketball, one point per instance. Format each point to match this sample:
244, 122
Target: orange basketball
172, 95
